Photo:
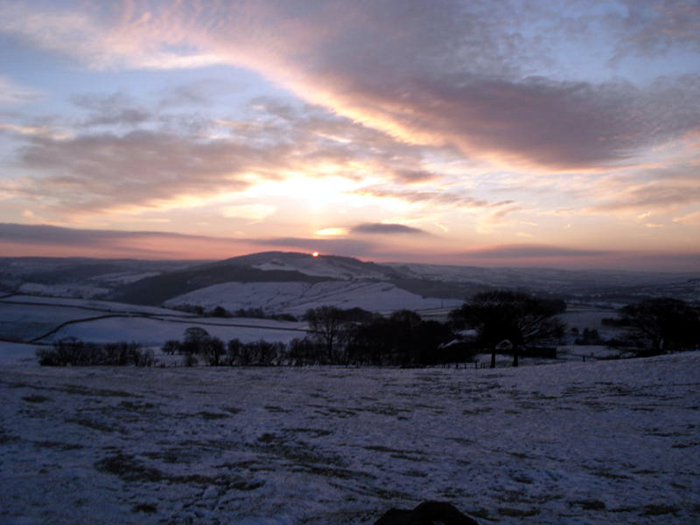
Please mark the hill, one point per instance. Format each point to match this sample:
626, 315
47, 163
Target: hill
289, 281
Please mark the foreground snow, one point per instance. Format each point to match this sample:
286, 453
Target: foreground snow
603, 442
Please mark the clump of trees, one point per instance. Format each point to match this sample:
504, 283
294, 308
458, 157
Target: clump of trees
518, 318
589, 336
657, 326
220, 311
199, 344
503, 320
357, 337
334, 336
403, 338
73, 352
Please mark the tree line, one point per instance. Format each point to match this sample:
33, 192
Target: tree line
357, 337
499, 321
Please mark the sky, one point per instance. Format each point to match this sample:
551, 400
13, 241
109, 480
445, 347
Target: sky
510, 133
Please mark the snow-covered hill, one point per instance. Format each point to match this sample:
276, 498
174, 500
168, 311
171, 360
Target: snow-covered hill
154, 283
297, 297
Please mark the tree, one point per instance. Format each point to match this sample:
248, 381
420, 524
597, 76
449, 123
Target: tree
326, 324
213, 351
518, 317
661, 325
171, 346
196, 341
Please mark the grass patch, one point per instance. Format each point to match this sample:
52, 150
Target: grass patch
659, 510
588, 504
313, 432
95, 425
35, 398
7, 438
128, 468
146, 508
212, 415
137, 407
518, 513
246, 486
57, 445
276, 409
609, 475
84, 391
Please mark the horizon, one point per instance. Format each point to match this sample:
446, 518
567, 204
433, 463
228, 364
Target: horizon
317, 255
452, 133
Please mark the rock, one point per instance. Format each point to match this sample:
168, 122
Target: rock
434, 511
400, 517
427, 513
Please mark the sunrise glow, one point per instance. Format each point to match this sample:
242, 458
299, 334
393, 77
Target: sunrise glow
541, 134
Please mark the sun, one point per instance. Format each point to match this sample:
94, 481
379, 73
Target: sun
315, 254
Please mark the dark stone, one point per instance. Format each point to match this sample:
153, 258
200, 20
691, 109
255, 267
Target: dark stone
400, 517
433, 511
427, 513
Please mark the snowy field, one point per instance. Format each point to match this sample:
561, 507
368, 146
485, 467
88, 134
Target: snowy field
608, 442
156, 331
26, 318
91, 304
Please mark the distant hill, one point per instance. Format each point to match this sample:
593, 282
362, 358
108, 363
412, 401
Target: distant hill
157, 289
248, 281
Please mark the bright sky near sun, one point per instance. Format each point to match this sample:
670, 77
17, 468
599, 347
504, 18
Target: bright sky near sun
511, 133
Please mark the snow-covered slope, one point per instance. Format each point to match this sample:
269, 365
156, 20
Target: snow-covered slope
606, 443
345, 268
151, 331
297, 297
45, 319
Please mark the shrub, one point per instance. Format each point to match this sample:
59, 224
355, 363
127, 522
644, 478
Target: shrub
73, 352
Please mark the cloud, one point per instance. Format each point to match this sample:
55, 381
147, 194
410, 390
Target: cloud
692, 219
13, 93
414, 176
432, 197
114, 109
164, 160
196, 93
332, 231
388, 229
652, 28
59, 236
251, 212
39, 131
657, 195
527, 251
140, 168
459, 75
349, 247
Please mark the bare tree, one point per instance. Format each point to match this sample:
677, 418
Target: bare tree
661, 325
327, 325
518, 317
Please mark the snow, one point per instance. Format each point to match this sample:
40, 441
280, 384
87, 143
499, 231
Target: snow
26, 318
16, 353
156, 331
333, 267
607, 442
103, 306
297, 297
65, 290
